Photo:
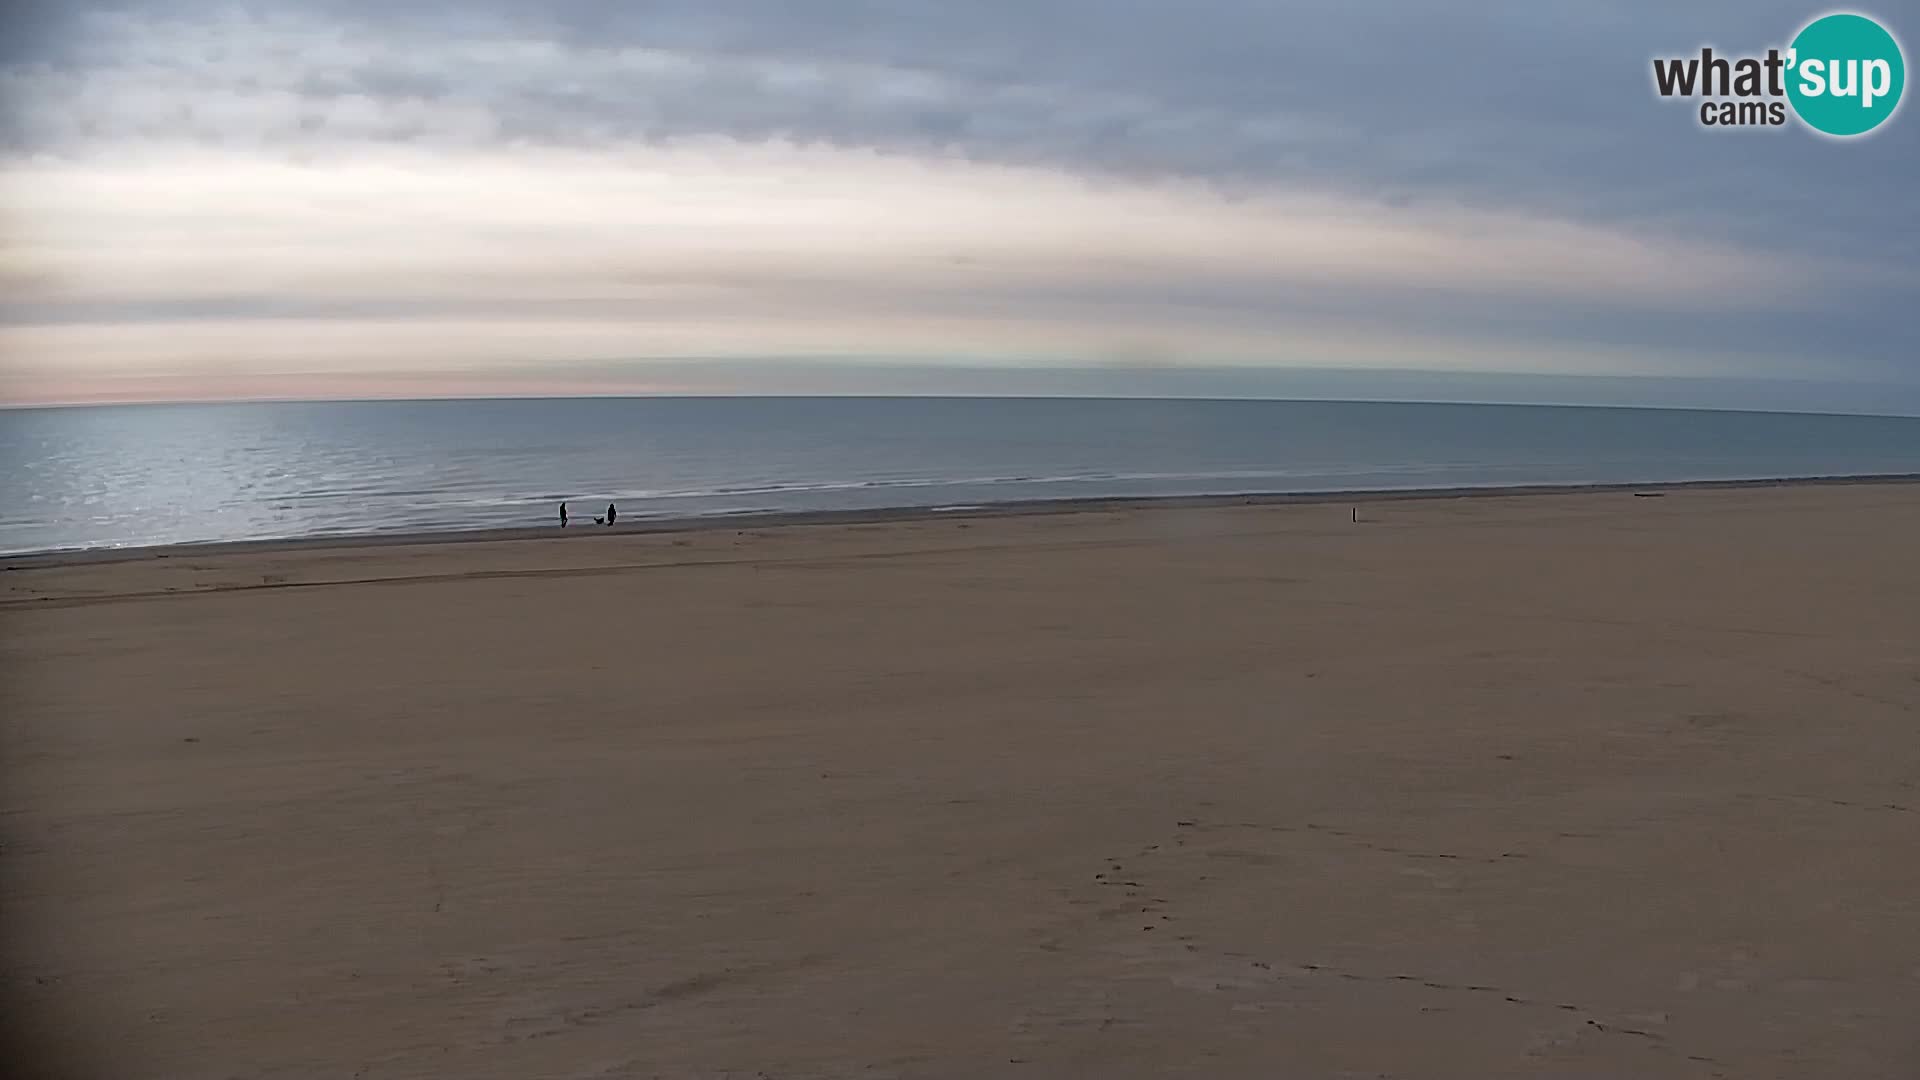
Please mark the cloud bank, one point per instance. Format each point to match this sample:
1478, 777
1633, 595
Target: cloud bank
581, 193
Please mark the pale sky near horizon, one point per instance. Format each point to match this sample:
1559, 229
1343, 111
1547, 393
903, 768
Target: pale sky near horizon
346, 198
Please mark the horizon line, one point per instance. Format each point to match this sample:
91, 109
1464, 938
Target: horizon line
400, 399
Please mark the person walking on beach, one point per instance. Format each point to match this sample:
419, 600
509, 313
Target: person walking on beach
563, 515
611, 513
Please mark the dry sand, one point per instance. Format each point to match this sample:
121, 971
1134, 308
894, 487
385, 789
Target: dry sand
1561, 785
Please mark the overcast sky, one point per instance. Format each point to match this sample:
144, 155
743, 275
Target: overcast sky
922, 195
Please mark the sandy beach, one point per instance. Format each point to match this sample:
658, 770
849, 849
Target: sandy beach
1558, 785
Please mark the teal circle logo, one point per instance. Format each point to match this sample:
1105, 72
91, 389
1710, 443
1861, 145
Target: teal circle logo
1845, 74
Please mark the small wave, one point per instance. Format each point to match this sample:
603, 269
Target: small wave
897, 483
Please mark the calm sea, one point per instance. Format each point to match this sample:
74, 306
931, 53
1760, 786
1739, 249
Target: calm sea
138, 475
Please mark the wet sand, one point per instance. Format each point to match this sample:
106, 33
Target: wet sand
1570, 785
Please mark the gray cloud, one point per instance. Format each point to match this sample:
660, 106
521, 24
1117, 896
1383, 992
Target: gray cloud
1542, 103
1542, 106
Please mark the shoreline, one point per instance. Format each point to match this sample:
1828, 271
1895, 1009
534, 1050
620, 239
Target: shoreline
1019, 508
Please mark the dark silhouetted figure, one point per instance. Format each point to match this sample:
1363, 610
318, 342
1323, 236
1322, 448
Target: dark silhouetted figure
563, 515
611, 513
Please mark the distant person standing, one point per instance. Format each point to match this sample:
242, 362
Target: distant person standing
611, 513
563, 515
